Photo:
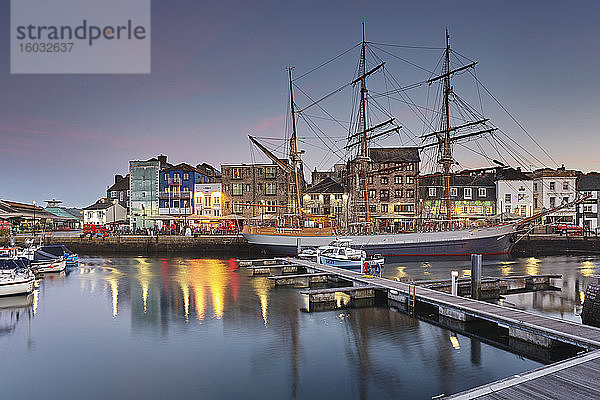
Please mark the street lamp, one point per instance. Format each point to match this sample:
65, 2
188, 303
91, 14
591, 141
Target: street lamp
114, 202
34, 206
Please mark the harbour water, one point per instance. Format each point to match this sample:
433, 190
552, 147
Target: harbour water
197, 328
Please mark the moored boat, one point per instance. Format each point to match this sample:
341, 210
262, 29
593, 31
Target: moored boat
339, 253
16, 277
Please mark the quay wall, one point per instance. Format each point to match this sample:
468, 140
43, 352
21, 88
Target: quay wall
222, 245
227, 245
546, 245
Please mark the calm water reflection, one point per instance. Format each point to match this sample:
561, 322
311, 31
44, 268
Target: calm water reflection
153, 328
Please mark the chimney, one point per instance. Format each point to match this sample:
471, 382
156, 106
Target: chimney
162, 159
118, 178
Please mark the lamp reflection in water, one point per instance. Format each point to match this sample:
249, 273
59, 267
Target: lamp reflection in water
261, 288
532, 266
454, 342
587, 268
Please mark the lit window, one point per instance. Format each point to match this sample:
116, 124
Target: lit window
468, 193
431, 192
237, 189
398, 180
270, 188
482, 192
453, 192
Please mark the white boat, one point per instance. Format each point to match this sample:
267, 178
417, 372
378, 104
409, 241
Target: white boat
44, 266
15, 277
340, 254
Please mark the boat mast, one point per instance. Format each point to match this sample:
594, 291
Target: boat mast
364, 148
294, 146
446, 151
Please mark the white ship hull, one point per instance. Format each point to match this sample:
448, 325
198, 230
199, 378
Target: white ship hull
486, 240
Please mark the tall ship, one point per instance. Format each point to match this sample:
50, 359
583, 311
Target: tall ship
436, 231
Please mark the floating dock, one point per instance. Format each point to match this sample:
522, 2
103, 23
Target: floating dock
573, 378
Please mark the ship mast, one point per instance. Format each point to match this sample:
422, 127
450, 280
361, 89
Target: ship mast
364, 148
294, 155
446, 159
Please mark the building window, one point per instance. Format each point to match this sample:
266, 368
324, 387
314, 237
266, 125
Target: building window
508, 197
482, 192
431, 192
270, 206
552, 202
565, 200
384, 195
370, 180
384, 208
114, 194
410, 180
237, 208
551, 185
237, 189
372, 208
565, 185
270, 172
405, 208
372, 193
410, 167
384, 180
236, 173
520, 197
468, 192
398, 180
410, 193
398, 193
535, 187
186, 176
453, 192
535, 205
270, 188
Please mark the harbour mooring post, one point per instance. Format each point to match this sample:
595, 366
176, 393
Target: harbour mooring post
454, 283
476, 276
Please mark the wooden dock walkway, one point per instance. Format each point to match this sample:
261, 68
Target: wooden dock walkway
576, 378
538, 329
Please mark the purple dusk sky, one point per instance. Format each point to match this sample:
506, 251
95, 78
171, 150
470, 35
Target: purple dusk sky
218, 74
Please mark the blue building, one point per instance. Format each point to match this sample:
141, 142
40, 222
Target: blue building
176, 184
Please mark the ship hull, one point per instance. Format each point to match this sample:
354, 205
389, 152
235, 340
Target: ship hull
462, 243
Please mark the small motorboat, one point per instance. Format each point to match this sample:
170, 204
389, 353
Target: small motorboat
47, 258
340, 254
16, 277
49, 265
59, 250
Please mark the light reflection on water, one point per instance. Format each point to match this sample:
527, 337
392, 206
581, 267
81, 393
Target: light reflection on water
156, 328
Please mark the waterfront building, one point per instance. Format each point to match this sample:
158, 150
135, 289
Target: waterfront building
514, 193
551, 188
328, 198
392, 188
208, 199
70, 218
260, 191
144, 191
104, 212
209, 171
587, 214
472, 197
120, 191
177, 187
